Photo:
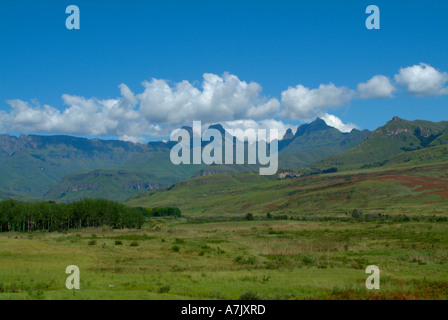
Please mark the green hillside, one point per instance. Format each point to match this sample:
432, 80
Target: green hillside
315, 141
55, 166
159, 165
418, 157
108, 184
397, 136
31, 165
412, 190
207, 192
442, 139
67, 168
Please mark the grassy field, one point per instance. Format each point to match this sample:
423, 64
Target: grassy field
260, 259
305, 238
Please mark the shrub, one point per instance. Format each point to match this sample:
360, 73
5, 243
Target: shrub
179, 241
250, 295
118, 242
164, 289
134, 244
357, 214
330, 170
251, 260
308, 261
217, 295
92, 242
219, 250
162, 212
281, 217
249, 216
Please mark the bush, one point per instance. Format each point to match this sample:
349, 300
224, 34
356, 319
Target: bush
92, 242
179, 241
357, 214
249, 216
251, 260
175, 248
250, 295
281, 217
308, 261
118, 243
134, 244
162, 212
330, 170
164, 289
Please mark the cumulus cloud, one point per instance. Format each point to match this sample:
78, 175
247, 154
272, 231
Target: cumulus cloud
219, 99
90, 117
303, 103
377, 87
155, 112
423, 80
263, 124
163, 105
337, 123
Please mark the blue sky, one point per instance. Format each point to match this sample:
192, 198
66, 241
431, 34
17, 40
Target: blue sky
275, 44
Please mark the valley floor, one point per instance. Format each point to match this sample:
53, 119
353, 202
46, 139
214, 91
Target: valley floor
269, 259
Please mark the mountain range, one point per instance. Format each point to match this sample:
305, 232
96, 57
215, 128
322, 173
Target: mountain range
395, 137
67, 168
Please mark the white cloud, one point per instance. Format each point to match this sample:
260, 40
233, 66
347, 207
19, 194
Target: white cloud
163, 106
423, 80
337, 123
377, 87
263, 124
133, 139
220, 99
153, 113
87, 117
304, 104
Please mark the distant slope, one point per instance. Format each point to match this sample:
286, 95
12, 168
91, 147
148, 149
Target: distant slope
442, 139
412, 190
31, 165
397, 136
109, 184
55, 166
312, 142
219, 188
37, 166
159, 165
411, 182
427, 155
315, 141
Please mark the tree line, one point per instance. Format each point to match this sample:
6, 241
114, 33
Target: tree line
51, 216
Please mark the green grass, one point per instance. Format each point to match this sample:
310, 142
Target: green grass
226, 260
